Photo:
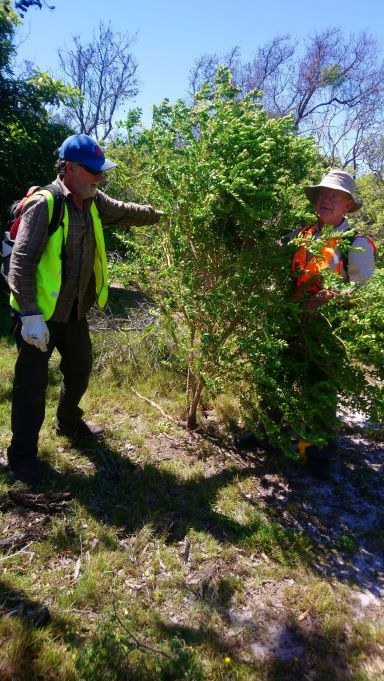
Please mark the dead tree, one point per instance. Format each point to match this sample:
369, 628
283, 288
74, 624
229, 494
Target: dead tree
104, 72
333, 87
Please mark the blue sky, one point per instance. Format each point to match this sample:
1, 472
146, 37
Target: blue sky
172, 34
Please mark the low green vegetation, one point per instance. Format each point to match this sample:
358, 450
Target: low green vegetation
154, 553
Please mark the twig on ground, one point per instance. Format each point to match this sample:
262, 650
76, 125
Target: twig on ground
51, 502
12, 555
140, 644
155, 405
11, 541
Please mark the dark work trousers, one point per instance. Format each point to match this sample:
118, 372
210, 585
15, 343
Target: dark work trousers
31, 379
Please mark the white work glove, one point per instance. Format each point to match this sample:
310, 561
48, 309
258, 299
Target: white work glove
35, 331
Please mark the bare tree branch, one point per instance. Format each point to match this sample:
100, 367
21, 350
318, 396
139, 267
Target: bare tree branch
205, 67
104, 72
333, 87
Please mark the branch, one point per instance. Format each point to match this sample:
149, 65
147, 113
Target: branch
140, 644
12, 555
155, 405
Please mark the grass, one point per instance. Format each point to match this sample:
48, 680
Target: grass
164, 564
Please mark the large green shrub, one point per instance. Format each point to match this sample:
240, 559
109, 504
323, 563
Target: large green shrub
228, 179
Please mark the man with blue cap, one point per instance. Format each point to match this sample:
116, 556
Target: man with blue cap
55, 277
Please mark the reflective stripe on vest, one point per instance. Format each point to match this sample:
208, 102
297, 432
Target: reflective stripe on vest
49, 268
309, 266
100, 265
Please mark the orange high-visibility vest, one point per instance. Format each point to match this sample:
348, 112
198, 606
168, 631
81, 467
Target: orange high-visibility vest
309, 266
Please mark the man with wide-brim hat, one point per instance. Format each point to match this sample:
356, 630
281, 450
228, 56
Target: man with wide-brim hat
347, 253
333, 198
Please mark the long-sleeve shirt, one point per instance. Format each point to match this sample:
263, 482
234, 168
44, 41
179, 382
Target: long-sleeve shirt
78, 285
361, 257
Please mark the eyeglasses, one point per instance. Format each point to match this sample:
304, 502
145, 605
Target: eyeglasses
91, 171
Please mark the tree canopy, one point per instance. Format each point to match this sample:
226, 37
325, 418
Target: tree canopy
229, 178
226, 175
22, 6
28, 132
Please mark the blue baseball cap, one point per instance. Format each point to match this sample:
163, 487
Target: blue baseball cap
83, 149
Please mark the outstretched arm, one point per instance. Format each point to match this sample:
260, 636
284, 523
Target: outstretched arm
113, 212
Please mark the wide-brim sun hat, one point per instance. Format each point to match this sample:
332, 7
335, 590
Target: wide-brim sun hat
335, 179
84, 150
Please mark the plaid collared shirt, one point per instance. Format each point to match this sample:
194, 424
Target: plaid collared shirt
78, 285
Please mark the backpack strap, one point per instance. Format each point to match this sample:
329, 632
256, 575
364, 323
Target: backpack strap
57, 219
58, 207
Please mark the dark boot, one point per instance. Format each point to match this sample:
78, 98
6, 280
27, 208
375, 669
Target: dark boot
82, 430
30, 470
248, 441
319, 461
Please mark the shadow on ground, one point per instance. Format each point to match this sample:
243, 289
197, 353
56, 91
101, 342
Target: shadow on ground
293, 654
342, 517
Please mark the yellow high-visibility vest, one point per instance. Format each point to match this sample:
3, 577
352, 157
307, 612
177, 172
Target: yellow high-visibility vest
49, 268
